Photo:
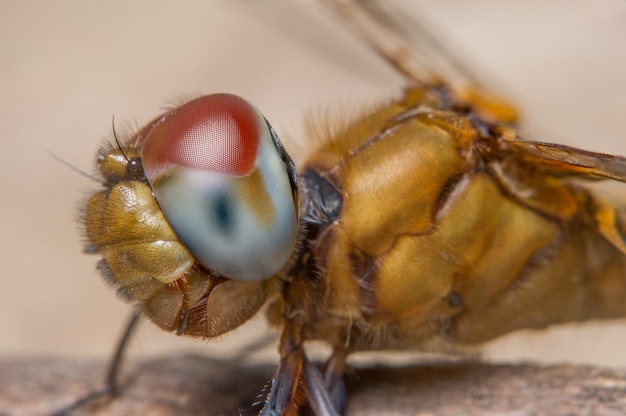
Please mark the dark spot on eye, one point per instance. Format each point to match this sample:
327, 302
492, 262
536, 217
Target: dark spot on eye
455, 300
223, 214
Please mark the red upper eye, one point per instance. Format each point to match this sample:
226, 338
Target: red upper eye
224, 184
218, 133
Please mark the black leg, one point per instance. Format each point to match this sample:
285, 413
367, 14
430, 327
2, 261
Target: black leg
320, 401
334, 379
110, 388
285, 395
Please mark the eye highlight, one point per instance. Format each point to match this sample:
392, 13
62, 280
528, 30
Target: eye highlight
225, 185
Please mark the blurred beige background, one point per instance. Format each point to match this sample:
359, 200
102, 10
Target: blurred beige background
67, 66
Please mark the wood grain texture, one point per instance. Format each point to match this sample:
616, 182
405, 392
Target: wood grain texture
194, 385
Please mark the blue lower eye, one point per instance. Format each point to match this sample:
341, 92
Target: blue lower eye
223, 214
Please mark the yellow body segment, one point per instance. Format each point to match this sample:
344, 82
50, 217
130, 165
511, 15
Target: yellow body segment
441, 239
120, 221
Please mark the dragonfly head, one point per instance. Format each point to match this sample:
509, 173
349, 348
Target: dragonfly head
225, 185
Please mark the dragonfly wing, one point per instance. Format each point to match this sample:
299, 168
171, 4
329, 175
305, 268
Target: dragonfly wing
543, 176
560, 160
409, 44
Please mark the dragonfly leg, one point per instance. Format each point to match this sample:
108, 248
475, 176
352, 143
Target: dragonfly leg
111, 383
334, 378
286, 394
321, 400
296, 381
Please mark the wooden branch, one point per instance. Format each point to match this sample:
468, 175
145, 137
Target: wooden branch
193, 385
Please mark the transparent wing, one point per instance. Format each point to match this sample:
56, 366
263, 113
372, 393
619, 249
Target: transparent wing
406, 41
536, 173
560, 160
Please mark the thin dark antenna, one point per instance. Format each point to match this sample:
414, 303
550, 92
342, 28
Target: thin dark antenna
74, 168
119, 145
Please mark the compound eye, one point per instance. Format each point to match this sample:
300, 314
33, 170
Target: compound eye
225, 185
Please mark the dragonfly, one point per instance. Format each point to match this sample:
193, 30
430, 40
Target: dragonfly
426, 223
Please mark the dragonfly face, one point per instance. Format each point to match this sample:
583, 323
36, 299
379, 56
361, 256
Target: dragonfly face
202, 182
423, 223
